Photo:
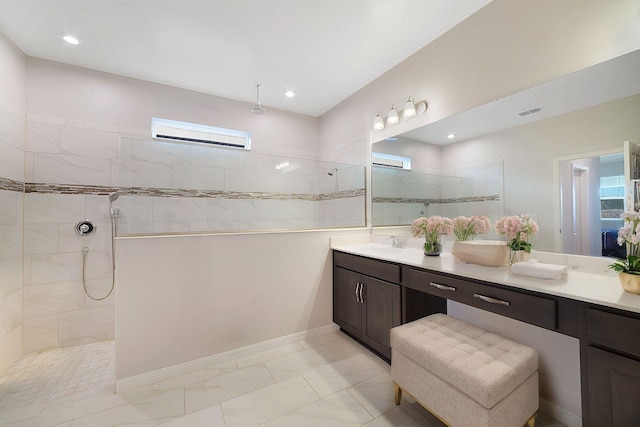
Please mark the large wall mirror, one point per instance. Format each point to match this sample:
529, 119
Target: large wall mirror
553, 151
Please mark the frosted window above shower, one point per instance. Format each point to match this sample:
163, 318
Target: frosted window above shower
194, 133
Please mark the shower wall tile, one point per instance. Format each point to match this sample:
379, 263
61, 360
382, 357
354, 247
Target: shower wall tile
53, 208
10, 241
40, 334
10, 207
156, 151
10, 312
249, 180
67, 169
85, 326
40, 238
136, 173
12, 128
11, 162
179, 209
215, 157
11, 345
52, 299
89, 143
198, 177
10, 276
43, 137
135, 209
56, 267
297, 183
229, 210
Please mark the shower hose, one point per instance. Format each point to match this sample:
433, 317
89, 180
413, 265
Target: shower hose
85, 251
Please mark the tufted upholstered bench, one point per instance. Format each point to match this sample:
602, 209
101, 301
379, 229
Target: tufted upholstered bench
465, 375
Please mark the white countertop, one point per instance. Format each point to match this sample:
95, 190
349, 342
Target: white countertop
583, 282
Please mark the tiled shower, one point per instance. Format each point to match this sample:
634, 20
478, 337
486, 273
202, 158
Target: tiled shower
70, 167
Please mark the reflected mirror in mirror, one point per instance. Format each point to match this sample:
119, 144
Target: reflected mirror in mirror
590, 111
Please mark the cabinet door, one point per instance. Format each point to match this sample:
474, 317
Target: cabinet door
614, 387
382, 312
347, 309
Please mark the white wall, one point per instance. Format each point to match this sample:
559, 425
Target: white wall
12, 107
182, 298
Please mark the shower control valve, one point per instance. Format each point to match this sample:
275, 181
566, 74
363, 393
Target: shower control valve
85, 228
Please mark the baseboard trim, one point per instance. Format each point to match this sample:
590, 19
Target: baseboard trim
560, 414
183, 368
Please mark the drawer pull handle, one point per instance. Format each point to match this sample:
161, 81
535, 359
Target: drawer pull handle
357, 286
491, 300
361, 299
442, 287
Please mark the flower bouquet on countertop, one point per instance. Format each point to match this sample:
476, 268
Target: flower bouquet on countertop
431, 229
467, 228
518, 230
629, 235
628, 269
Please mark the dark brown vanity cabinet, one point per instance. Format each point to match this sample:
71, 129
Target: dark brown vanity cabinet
613, 367
364, 306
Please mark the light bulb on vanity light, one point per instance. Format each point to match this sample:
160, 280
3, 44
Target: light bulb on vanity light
378, 122
392, 117
409, 108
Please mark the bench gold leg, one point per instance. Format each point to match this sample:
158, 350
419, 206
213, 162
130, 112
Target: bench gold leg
397, 393
531, 422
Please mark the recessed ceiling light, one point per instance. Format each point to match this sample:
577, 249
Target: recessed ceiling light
451, 135
71, 39
289, 94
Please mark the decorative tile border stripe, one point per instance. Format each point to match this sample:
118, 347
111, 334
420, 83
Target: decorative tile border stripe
492, 198
11, 185
98, 190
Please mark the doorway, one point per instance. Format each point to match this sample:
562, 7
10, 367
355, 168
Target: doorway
591, 198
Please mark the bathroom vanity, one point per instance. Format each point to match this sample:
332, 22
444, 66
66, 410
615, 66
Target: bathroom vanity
377, 287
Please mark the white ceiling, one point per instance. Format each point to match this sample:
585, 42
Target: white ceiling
323, 50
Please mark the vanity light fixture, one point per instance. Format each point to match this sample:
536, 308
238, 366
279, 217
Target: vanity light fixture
409, 108
392, 117
378, 122
71, 39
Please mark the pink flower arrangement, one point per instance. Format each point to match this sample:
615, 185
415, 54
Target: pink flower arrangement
431, 228
518, 231
466, 228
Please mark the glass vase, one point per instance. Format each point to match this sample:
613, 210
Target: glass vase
432, 247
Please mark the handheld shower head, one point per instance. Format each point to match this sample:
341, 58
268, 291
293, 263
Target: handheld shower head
113, 212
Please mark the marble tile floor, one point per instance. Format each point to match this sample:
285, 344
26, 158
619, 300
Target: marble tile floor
326, 380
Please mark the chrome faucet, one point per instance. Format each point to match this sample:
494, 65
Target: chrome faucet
395, 242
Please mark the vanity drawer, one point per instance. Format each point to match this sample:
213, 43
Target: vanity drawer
615, 331
526, 307
371, 267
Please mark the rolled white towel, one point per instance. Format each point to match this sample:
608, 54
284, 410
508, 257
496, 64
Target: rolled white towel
539, 270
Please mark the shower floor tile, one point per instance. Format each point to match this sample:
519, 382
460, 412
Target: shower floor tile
326, 380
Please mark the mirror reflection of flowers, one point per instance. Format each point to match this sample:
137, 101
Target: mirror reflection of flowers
518, 230
432, 228
629, 235
467, 228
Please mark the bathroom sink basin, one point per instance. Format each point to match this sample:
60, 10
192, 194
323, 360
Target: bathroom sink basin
492, 253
